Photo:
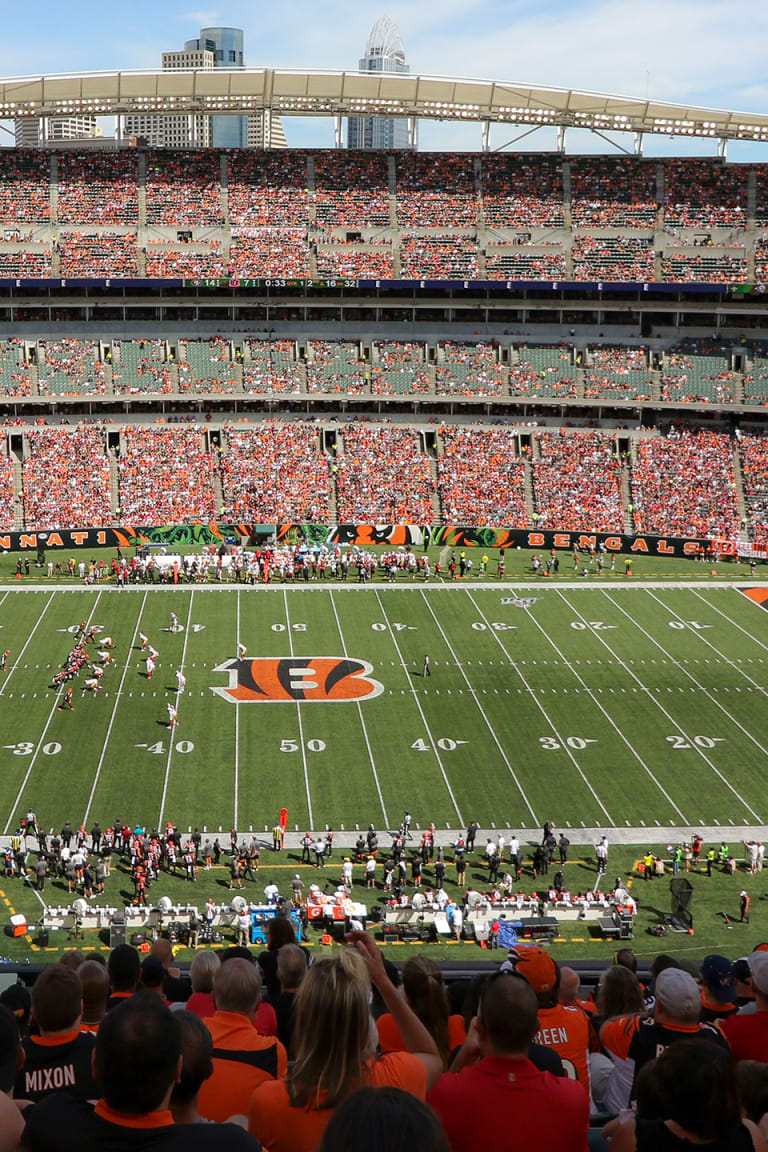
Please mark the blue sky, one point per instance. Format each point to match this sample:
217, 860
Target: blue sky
708, 52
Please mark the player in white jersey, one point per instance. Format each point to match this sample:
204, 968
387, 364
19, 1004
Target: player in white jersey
106, 642
241, 650
174, 622
150, 667
92, 685
153, 652
182, 680
173, 715
144, 641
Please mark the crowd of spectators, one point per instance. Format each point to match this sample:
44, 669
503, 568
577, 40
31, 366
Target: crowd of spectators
450, 256
336, 366
522, 191
141, 366
481, 477
31, 264
186, 262
468, 370
436, 190
577, 482
400, 368
704, 267
66, 478
352, 189
206, 366
271, 367
613, 258
8, 517
702, 194
103, 254
754, 470
266, 252
184, 189
543, 370
15, 378
619, 372
512, 262
618, 192
98, 188
697, 370
268, 189
275, 472
369, 263
683, 484
384, 477
165, 476
25, 177
70, 367
761, 259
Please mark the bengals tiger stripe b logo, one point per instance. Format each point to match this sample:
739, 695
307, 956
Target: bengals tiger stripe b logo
270, 680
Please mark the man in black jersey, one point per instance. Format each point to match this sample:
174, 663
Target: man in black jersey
137, 1061
59, 1058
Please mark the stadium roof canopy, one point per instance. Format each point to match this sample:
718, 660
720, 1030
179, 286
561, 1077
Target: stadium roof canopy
295, 92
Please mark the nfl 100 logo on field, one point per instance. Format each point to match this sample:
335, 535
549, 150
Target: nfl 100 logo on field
328, 679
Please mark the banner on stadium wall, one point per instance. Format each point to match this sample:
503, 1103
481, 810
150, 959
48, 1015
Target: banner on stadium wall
364, 536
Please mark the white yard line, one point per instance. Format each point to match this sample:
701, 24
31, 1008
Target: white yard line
481, 710
102, 758
532, 694
362, 721
15, 664
752, 638
36, 752
237, 724
301, 725
606, 714
172, 731
758, 743
674, 722
427, 729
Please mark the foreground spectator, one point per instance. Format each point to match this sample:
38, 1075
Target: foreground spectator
59, 1058
424, 990
243, 1058
687, 1097
747, 1033
11, 1120
196, 1068
137, 1061
335, 1049
638, 1039
496, 1091
390, 1119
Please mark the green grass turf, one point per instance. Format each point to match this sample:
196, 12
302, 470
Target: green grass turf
577, 941
609, 704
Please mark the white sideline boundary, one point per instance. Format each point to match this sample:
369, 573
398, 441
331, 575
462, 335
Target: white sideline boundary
507, 586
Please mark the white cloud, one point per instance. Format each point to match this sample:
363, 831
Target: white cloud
203, 19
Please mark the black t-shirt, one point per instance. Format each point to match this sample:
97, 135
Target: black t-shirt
60, 1123
60, 1067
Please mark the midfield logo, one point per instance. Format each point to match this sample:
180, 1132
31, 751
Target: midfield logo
270, 680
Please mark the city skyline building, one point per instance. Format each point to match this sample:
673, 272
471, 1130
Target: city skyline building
213, 48
28, 133
384, 52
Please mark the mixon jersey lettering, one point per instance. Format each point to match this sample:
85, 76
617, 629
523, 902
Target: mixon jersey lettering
49, 1079
63, 1065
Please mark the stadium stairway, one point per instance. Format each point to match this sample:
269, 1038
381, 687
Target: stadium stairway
738, 476
530, 500
392, 189
626, 496
114, 484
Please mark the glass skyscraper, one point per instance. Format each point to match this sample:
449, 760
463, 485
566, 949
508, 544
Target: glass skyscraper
383, 53
226, 44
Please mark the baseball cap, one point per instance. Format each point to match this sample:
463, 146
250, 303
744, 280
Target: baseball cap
717, 974
536, 965
758, 966
677, 992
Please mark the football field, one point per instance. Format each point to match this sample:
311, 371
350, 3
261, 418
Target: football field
639, 705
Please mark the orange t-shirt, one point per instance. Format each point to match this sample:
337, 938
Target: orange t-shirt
283, 1128
390, 1039
242, 1059
567, 1029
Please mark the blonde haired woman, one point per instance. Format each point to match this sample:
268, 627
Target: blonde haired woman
335, 1043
